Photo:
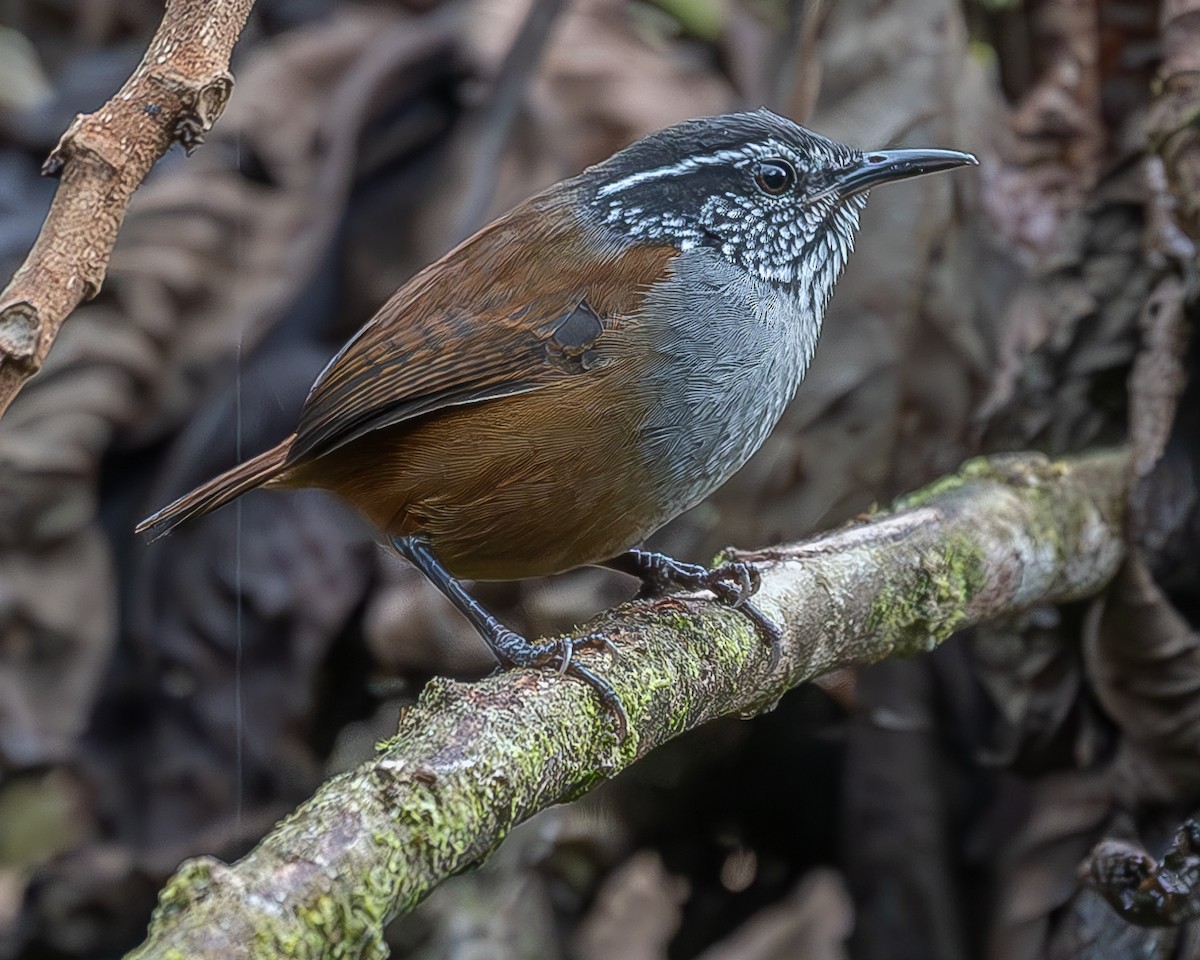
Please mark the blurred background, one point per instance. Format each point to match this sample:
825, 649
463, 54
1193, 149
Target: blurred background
162, 701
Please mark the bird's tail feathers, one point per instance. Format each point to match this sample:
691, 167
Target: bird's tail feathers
218, 491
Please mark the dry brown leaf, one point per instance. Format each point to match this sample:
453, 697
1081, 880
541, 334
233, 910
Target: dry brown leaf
637, 911
813, 922
1053, 154
1158, 376
1144, 663
1064, 814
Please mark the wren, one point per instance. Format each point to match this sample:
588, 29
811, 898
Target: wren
587, 367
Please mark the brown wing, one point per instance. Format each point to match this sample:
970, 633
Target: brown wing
455, 335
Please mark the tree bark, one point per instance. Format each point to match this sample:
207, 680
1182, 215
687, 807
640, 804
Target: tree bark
470, 761
176, 94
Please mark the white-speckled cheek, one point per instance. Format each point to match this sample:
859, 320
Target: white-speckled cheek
711, 199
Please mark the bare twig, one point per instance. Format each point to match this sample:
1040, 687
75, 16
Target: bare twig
176, 94
472, 760
495, 119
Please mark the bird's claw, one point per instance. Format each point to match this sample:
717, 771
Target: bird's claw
515, 651
732, 583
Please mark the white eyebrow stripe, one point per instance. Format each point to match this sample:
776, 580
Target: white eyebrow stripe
684, 166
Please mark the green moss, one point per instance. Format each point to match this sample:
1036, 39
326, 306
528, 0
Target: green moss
1023, 470
440, 827
725, 639
941, 486
192, 882
328, 929
918, 615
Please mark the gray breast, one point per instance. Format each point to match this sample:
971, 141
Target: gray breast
733, 350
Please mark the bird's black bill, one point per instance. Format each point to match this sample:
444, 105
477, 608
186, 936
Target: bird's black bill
887, 166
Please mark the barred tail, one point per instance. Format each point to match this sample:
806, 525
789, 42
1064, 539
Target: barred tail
217, 492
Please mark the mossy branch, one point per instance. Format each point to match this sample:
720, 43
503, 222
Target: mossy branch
472, 760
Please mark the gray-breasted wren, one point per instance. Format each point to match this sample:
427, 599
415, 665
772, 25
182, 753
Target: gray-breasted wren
588, 366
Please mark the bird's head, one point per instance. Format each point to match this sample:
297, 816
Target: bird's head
767, 194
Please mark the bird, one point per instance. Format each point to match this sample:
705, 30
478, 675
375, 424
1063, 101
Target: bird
587, 367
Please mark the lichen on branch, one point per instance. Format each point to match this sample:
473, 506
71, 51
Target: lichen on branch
470, 761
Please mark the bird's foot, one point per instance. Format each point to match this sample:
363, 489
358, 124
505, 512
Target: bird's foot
514, 650
732, 583
510, 648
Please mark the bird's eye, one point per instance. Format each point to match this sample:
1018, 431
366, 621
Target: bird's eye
774, 176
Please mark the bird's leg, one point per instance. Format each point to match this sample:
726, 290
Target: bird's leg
733, 583
508, 646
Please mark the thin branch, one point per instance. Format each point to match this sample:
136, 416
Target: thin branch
494, 121
472, 760
176, 94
